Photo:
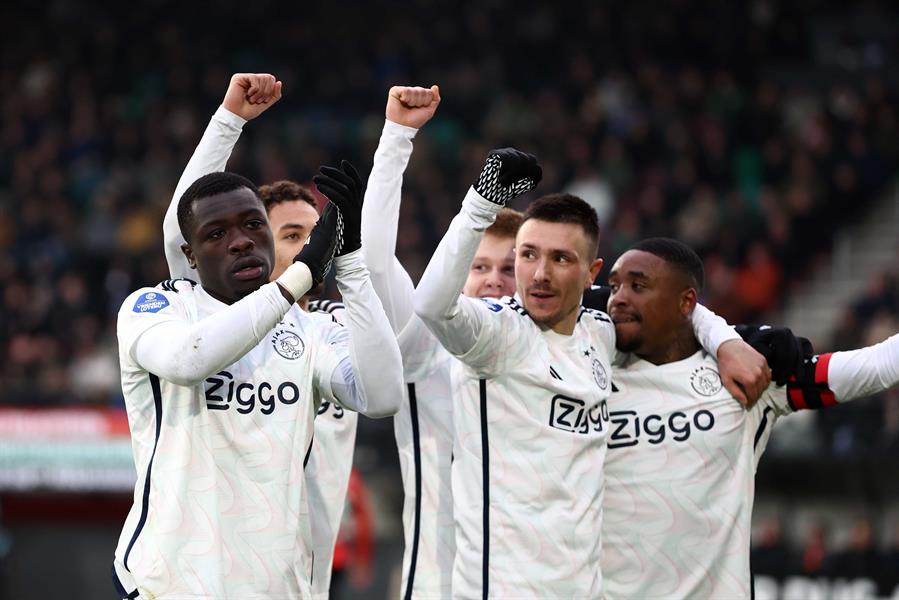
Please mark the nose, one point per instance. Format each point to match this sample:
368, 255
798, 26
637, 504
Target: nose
240, 243
619, 297
542, 270
493, 280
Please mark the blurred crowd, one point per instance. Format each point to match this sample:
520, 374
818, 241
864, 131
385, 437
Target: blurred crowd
751, 131
862, 553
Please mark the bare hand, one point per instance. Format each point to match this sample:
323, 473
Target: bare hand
412, 106
744, 372
251, 94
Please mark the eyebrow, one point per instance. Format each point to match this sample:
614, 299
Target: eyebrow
558, 250
641, 274
291, 226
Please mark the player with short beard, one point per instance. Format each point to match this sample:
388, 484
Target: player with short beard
682, 453
530, 395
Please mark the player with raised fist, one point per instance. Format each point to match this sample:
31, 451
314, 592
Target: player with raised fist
223, 380
531, 419
424, 424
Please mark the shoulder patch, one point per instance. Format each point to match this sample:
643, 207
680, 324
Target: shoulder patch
493, 306
150, 302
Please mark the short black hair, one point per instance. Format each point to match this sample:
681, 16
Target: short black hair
566, 208
677, 254
211, 184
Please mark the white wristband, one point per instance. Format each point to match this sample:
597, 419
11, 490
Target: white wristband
296, 279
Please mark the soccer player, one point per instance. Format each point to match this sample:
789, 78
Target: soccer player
424, 426
530, 413
682, 454
292, 214
222, 381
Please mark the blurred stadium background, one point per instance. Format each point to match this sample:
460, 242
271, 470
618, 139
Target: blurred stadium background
763, 133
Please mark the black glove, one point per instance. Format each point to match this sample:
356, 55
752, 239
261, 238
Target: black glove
508, 173
784, 351
344, 189
318, 253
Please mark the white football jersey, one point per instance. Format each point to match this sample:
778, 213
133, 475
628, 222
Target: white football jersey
680, 475
531, 423
328, 471
220, 507
424, 437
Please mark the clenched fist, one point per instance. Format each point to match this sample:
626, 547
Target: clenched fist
412, 106
251, 94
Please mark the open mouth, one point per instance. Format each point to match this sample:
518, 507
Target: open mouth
247, 268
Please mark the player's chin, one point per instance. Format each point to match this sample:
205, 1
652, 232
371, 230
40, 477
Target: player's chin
627, 341
243, 286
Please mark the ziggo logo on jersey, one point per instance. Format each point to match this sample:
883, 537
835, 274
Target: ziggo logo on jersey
221, 390
627, 426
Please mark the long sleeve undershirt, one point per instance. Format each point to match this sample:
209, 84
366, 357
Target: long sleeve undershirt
380, 222
211, 155
864, 372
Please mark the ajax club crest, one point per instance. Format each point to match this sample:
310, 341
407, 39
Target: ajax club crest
600, 375
705, 381
288, 344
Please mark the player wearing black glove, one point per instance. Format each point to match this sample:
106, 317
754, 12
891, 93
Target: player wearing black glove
784, 351
345, 189
508, 173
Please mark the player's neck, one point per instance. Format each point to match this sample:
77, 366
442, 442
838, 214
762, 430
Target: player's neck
304, 303
680, 346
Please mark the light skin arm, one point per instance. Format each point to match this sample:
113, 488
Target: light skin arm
408, 109
248, 96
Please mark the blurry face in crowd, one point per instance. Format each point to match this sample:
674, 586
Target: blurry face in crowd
492, 273
650, 303
231, 244
292, 222
554, 263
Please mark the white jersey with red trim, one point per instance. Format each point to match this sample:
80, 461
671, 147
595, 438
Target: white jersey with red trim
681, 466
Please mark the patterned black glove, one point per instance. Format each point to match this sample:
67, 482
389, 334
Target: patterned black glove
344, 189
508, 173
318, 253
783, 350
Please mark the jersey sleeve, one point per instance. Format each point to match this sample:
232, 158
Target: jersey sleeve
711, 330
166, 343
368, 377
145, 309
211, 155
456, 321
380, 222
502, 335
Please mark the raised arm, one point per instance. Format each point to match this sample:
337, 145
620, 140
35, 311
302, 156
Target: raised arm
369, 378
408, 109
452, 318
247, 97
